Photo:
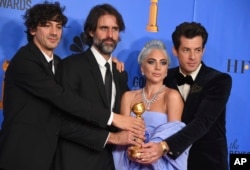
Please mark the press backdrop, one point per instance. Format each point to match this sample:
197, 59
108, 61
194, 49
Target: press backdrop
228, 47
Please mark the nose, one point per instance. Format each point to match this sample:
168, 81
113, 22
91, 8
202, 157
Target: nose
54, 30
110, 33
192, 55
158, 66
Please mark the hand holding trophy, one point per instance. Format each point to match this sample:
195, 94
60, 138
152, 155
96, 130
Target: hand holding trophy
138, 109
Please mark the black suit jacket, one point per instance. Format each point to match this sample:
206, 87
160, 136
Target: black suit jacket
30, 130
81, 74
204, 113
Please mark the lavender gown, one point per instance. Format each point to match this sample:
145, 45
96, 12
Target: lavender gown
157, 129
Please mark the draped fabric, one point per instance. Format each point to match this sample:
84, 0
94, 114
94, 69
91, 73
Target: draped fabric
157, 129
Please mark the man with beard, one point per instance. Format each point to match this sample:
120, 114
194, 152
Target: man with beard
32, 99
86, 75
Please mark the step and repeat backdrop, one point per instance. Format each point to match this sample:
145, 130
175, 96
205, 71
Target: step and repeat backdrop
228, 46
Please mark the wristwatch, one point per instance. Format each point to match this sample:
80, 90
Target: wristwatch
165, 147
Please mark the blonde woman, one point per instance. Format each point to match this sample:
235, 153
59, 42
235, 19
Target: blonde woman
163, 112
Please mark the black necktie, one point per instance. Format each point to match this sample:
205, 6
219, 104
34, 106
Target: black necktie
51, 65
182, 80
108, 82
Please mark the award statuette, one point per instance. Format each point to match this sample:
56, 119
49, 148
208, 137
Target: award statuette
138, 109
152, 23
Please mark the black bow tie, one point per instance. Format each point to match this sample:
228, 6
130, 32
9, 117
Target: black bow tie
182, 80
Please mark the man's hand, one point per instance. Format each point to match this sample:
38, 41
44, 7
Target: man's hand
125, 138
150, 153
119, 64
129, 123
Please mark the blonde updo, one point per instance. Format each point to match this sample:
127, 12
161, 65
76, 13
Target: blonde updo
149, 46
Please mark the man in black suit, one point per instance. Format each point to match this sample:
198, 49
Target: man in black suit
205, 94
85, 74
32, 101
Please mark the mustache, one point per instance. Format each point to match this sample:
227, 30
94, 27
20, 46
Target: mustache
109, 39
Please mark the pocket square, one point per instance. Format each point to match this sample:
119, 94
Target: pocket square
195, 88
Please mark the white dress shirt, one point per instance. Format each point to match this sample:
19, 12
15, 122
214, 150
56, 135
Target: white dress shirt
185, 88
101, 62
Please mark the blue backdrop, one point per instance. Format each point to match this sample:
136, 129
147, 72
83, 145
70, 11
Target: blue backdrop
227, 22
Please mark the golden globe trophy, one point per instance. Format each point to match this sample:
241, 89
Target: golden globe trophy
138, 109
152, 23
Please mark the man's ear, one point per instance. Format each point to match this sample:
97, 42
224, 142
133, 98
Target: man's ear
32, 31
203, 51
91, 33
174, 51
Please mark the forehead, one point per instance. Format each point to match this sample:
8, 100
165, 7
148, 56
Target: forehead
52, 22
157, 54
107, 20
195, 42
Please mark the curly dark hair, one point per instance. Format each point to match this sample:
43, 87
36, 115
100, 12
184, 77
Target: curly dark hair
39, 14
189, 30
92, 19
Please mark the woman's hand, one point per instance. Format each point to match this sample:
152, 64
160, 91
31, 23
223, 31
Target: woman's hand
119, 64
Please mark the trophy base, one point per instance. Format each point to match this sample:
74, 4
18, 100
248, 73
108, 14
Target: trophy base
152, 28
133, 152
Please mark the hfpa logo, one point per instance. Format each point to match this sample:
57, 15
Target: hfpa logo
238, 66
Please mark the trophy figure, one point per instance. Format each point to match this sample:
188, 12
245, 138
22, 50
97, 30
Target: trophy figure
152, 23
138, 109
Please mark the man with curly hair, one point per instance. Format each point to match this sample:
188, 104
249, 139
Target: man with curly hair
33, 101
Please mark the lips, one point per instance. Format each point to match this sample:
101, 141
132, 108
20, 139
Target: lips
53, 40
191, 64
156, 74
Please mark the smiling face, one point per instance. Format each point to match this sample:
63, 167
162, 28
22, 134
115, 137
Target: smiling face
155, 66
48, 36
189, 53
106, 35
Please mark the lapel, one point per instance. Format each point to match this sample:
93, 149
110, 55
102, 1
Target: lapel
56, 62
171, 82
115, 75
198, 84
41, 58
96, 73
117, 87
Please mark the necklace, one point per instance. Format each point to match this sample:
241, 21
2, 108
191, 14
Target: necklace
153, 99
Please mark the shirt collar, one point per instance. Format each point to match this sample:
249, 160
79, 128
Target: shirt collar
194, 73
47, 57
99, 58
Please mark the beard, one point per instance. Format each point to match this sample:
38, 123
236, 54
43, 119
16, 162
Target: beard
105, 48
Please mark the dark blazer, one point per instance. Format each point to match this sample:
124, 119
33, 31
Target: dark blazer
204, 113
30, 130
81, 73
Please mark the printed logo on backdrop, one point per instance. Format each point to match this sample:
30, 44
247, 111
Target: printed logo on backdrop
238, 66
16, 4
234, 148
78, 44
